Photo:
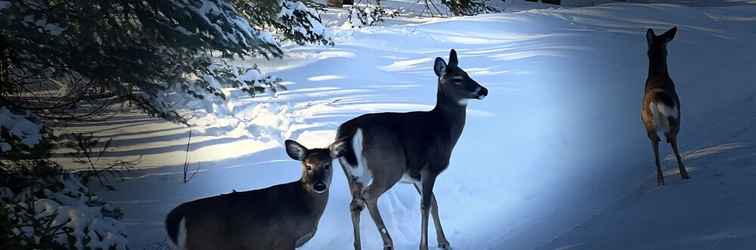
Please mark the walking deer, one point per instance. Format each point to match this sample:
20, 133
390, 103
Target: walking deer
282, 217
660, 109
414, 147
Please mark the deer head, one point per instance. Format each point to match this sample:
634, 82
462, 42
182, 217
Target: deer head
316, 164
455, 83
657, 48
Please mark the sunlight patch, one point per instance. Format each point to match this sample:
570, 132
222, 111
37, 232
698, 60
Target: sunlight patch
404, 65
324, 78
317, 138
469, 40
713, 150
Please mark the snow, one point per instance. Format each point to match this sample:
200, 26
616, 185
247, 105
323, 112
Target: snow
51, 28
296, 10
712, 211
288, 8
4, 4
73, 208
6, 193
216, 14
555, 157
22, 127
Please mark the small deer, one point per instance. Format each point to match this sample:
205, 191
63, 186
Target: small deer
414, 147
284, 216
660, 109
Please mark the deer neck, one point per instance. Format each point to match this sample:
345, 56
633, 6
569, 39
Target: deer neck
453, 111
657, 67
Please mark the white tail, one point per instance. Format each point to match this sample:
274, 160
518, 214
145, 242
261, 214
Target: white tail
662, 115
360, 171
284, 216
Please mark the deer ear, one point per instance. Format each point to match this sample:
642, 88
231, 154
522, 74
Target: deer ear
338, 149
453, 58
650, 36
439, 67
670, 34
295, 150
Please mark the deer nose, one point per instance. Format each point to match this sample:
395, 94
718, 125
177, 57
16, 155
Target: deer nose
482, 93
319, 187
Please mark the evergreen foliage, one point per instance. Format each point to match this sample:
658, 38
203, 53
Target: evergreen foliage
468, 7
117, 50
64, 61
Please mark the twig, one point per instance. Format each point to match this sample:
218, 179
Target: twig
186, 158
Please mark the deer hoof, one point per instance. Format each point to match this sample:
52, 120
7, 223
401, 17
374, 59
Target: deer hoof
444, 245
423, 247
659, 182
388, 247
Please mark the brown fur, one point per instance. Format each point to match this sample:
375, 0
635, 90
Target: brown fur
660, 89
282, 217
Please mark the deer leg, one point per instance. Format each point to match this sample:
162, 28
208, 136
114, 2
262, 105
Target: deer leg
683, 172
659, 174
371, 198
440, 236
428, 180
358, 203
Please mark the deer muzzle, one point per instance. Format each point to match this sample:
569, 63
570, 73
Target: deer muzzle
482, 93
319, 187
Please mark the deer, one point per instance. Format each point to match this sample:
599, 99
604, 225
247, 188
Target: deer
414, 148
281, 217
660, 109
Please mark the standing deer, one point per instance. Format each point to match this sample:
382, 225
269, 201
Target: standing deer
413, 147
660, 109
282, 217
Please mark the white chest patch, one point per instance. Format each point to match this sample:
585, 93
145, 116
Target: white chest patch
409, 180
360, 172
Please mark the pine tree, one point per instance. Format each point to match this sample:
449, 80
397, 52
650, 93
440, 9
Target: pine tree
436, 7
109, 51
468, 7
63, 60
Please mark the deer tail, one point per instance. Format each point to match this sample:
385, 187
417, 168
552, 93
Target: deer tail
353, 138
666, 105
175, 225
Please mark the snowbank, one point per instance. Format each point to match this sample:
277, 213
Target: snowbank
64, 209
23, 128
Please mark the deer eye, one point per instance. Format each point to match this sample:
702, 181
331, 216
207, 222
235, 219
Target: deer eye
308, 167
327, 166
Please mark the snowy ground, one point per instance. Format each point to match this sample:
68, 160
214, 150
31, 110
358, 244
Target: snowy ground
555, 158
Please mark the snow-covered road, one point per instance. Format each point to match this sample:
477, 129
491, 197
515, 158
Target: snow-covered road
547, 160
